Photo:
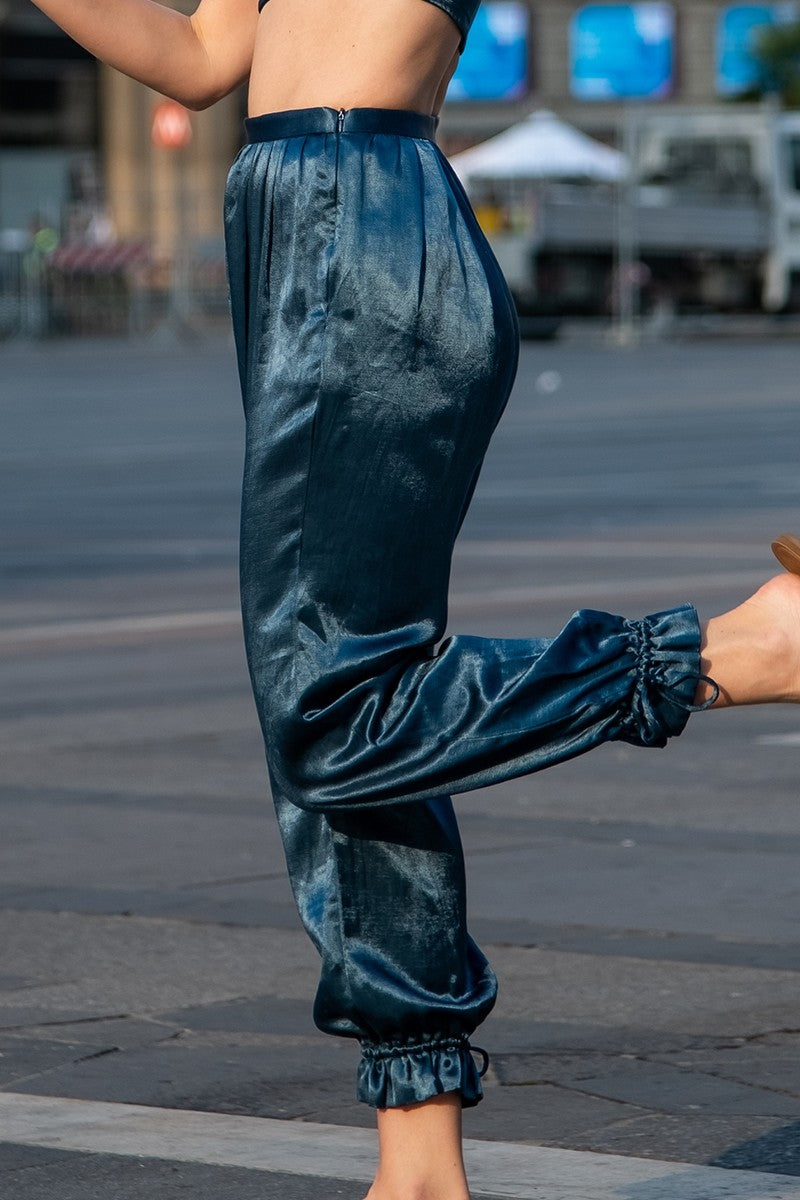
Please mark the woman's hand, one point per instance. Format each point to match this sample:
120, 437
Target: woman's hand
195, 59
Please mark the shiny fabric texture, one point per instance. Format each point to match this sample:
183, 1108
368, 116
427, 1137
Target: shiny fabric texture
377, 344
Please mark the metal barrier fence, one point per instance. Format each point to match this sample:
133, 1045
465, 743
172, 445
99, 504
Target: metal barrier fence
114, 289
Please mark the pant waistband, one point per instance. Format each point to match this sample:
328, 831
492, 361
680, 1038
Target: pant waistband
296, 122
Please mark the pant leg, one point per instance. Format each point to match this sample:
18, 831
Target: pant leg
382, 895
377, 346
381, 349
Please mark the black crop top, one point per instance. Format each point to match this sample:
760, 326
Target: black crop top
461, 11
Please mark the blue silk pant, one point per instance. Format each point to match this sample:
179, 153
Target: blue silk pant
377, 344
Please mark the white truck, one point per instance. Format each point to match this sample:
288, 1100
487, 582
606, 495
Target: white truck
708, 219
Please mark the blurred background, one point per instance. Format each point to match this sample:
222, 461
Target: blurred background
110, 196
636, 169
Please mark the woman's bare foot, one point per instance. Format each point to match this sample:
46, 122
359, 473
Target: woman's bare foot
753, 652
420, 1152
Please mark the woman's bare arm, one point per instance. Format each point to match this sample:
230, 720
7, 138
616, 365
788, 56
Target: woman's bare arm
194, 59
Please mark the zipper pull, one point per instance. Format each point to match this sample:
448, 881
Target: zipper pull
340, 120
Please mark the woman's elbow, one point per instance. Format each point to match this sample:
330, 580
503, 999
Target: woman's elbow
202, 95
198, 103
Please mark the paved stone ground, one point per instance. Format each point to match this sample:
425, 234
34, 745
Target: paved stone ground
43, 1174
640, 908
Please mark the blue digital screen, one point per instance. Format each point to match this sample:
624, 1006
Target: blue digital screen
622, 50
737, 30
494, 65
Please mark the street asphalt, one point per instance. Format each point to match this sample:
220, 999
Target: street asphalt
641, 908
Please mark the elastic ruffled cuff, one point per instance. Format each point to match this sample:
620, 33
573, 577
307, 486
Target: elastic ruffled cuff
395, 1076
666, 647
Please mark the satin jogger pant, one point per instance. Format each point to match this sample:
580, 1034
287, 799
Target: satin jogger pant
377, 344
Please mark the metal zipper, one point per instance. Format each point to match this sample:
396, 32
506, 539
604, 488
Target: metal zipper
340, 120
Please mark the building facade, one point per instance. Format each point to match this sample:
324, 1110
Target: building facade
698, 30
61, 113
76, 144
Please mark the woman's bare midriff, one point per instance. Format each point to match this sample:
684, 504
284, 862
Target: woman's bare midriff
352, 54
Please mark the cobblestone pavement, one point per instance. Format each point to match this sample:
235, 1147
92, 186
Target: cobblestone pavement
640, 908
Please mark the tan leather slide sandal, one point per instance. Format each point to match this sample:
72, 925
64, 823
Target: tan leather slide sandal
786, 549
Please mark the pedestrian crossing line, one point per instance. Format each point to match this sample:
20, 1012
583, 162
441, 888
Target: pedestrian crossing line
620, 589
779, 739
103, 627
507, 1169
605, 548
462, 602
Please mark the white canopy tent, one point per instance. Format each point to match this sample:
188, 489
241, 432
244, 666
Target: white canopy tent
517, 170
540, 147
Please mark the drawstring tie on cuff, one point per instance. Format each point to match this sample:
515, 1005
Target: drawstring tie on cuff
665, 648
674, 696
485, 1060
